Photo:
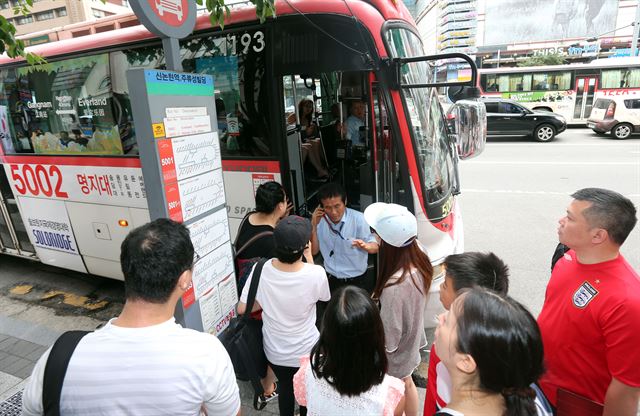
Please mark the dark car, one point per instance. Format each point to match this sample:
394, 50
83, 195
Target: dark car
509, 118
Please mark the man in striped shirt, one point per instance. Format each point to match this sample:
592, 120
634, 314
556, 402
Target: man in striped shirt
143, 362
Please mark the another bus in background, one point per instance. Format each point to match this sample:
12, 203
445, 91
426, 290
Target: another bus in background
569, 90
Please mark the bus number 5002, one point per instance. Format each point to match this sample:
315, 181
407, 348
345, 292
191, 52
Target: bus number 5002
38, 180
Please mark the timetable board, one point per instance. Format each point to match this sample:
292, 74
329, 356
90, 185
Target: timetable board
182, 168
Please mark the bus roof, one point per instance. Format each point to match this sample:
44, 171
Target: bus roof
361, 9
624, 62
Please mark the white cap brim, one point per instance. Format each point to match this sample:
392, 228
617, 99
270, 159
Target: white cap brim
372, 213
392, 222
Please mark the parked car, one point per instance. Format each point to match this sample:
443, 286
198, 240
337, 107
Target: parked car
619, 116
509, 118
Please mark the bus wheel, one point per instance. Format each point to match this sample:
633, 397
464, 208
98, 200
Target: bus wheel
621, 131
544, 133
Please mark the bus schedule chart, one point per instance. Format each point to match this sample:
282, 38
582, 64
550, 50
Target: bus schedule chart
182, 166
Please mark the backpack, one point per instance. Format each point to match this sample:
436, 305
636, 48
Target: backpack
243, 266
558, 253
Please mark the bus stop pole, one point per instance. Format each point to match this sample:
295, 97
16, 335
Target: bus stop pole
171, 48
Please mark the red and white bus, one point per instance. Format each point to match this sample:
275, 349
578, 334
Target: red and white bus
71, 182
569, 90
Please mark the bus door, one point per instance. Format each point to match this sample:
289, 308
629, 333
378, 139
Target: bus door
13, 234
293, 140
585, 92
385, 162
304, 142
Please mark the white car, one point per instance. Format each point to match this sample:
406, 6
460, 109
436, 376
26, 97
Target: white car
619, 116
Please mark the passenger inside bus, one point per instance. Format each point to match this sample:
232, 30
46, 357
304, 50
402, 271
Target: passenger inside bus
311, 144
355, 122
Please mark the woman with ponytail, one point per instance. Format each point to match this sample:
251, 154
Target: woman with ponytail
492, 349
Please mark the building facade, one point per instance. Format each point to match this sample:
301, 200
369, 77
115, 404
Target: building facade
506, 32
47, 14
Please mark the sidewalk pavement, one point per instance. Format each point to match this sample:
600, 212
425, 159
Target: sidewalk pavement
22, 345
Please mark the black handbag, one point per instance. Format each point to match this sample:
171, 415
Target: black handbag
243, 340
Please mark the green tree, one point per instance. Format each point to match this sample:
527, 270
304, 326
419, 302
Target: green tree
551, 59
16, 48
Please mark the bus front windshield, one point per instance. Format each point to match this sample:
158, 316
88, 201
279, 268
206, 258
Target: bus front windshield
426, 118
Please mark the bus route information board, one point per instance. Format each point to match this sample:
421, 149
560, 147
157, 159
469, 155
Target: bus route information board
182, 169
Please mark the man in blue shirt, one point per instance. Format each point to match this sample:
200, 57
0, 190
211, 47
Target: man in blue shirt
344, 238
354, 122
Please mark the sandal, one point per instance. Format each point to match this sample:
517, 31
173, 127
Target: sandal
260, 400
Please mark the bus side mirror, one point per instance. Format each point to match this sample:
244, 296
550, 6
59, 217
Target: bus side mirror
462, 92
467, 123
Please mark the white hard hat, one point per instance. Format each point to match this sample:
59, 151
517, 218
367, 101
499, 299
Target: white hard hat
392, 222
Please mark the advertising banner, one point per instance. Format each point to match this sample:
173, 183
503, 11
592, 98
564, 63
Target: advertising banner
50, 232
540, 20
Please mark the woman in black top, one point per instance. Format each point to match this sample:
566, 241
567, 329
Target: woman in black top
271, 206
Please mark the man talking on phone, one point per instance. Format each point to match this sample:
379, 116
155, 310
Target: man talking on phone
344, 238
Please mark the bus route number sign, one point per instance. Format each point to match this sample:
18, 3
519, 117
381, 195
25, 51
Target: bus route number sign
38, 179
174, 205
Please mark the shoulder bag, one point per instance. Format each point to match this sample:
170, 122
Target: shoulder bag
243, 340
56, 369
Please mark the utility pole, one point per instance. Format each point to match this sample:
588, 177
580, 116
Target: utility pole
636, 30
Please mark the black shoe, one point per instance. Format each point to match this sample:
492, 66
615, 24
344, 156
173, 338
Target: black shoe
260, 401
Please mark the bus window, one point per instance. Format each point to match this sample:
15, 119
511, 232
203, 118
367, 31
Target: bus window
503, 83
426, 119
552, 81
488, 83
63, 107
621, 78
305, 89
237, 62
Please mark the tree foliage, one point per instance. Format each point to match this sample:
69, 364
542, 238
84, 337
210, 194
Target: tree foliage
8, 42
15, 48
539, 60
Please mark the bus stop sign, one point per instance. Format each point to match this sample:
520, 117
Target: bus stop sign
166, 18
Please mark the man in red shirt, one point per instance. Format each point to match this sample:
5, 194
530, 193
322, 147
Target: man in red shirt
590, 320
